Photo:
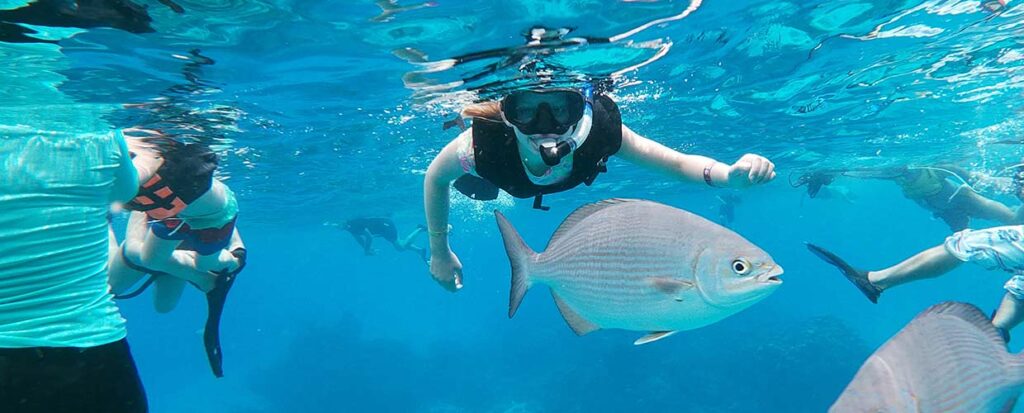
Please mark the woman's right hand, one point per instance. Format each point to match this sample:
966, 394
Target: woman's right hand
446, 269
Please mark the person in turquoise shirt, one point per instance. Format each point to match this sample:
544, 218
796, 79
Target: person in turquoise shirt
62, 338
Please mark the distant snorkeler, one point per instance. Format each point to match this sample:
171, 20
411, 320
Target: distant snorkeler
542, 141
727, 210
814, 181
390, 7
365, 229
945, 190
994, 248
86, 14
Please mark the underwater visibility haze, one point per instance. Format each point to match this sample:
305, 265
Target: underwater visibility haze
324, 111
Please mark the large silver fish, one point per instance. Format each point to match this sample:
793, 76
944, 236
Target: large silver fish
643, 266
948, 359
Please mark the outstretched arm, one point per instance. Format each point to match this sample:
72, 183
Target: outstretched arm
445, 168
748, 170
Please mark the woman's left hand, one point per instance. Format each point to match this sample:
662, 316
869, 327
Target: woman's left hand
751, 170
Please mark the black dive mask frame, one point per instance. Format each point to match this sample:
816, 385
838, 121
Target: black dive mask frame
544, 111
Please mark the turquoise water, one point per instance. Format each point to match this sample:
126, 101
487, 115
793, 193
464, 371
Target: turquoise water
322, 114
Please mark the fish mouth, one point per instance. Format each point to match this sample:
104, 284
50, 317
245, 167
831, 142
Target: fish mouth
771, 276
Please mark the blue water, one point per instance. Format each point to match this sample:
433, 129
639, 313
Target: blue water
318, 120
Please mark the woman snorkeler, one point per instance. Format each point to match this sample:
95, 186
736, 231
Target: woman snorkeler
548, 140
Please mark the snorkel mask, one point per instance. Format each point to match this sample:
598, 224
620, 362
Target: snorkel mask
557, 121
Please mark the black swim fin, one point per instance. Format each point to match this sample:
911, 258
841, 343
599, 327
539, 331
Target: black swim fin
859, 278
214, 308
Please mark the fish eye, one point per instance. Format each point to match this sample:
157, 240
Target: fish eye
741, 267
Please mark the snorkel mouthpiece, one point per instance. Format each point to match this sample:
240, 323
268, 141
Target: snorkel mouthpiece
553, 153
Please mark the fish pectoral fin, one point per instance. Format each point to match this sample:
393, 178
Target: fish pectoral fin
577, 323
654, 336
671, 286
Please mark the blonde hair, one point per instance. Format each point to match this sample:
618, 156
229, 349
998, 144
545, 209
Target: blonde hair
487, 110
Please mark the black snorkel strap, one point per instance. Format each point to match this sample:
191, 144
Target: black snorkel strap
214, 308
142, 288
537, 200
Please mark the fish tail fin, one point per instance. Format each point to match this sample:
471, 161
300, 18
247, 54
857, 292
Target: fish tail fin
856, 276
520, 256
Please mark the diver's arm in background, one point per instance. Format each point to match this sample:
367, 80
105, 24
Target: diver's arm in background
748, 170
445, 168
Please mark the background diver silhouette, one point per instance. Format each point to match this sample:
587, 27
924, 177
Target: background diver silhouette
364, 229
944, 190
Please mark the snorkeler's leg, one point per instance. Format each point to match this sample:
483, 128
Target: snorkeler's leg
158, 254
929, 263
984, 208
1009, 314
167, 293
406, 243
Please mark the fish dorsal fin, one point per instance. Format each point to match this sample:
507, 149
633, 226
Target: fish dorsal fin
577, 323
671, 286
582, 213
654, 336
968, 313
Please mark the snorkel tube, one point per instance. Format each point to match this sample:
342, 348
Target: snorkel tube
552, 153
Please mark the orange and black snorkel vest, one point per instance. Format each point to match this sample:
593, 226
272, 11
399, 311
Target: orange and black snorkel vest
185, 174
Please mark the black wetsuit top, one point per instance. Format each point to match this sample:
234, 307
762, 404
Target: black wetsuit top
498, 161
381, 227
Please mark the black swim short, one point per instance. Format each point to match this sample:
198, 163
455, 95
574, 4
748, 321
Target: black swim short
100, 379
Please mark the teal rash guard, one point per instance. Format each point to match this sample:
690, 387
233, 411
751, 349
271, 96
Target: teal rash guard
55, 194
